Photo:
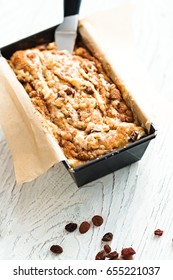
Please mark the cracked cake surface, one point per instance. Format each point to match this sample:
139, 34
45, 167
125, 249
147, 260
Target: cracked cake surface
82, 106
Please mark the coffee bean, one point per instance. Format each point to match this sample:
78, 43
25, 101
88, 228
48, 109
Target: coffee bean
71, 227
107, 237
84, 227
56, 249
97, 220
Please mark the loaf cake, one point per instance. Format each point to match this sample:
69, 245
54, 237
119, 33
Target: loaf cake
83, 108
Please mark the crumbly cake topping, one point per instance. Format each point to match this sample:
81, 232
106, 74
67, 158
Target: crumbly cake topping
82, 106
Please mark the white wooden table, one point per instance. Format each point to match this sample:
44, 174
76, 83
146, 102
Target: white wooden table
133, 201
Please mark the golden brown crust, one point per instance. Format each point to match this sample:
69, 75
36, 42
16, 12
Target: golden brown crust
85, 109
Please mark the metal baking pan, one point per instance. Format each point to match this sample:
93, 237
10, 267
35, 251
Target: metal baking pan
97, 168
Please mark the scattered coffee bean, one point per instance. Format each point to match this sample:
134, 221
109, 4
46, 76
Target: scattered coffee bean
127, 253
107, 248
71, 227
84, 227
158, 232
97, 220
56, 249
107, 237
101, 255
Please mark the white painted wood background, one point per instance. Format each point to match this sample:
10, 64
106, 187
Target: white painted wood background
135, 200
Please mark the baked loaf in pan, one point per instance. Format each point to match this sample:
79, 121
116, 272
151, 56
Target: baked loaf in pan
82, 106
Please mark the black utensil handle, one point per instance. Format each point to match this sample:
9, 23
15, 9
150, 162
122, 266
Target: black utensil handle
71, 7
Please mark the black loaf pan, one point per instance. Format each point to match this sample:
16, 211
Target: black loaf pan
106, 164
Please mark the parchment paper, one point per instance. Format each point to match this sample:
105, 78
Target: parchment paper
33, 149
